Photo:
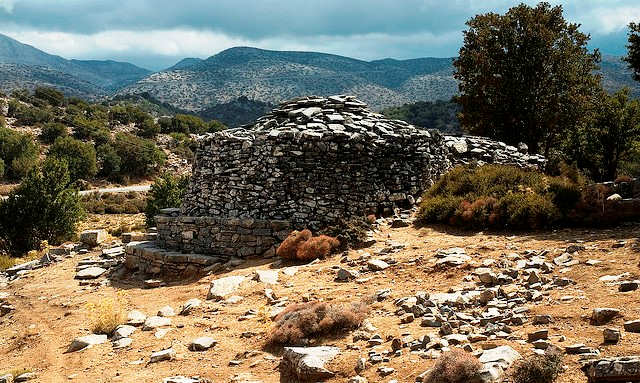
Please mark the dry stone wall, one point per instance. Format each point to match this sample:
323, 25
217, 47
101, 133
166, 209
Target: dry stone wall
308, 163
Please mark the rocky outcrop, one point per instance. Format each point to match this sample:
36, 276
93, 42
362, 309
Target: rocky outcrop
620, 369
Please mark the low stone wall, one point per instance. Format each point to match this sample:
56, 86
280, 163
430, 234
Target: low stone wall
147, 257
230, 237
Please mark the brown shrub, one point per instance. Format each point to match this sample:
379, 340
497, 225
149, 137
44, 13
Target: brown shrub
539, 368
289, 247
317, 247
455, 366
299, 322
621, 179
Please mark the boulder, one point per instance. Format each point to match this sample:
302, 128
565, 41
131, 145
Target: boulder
202, 343
222, 287
155, 322
92, 272
159, 356
619, 369
307, 363
603, 315
93, 237
502, 355
632, 326
136, 318
123, 331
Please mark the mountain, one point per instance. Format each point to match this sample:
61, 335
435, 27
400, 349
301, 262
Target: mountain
23, 66
236, 112
274, 76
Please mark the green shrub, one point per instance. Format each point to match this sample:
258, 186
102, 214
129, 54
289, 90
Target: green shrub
80, 157
43, 207
1, 168
114, 203
184, 123
167, 191
52, 130
19, 153
148, 128
29, 115
350, 232
140, 157
3, 122
109, 160
499, 196
51, 96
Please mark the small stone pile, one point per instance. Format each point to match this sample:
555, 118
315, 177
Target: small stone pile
481, 150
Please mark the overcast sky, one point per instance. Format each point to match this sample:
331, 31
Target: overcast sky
157, 33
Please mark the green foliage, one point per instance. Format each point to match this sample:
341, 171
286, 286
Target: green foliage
440, 115
51, 96
188, 124
140, 157
18, 151
109, 160
114, 203
1, 168
167, 191
612, 135
525, 76
633, 48
350, 232
28, 115
86, 128
3, 122
148, 128
43, 207
80, 157
52, 130
500, 197
183, 145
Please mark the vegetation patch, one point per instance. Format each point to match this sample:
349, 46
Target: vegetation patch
300, 322
538, 368
114, 203
303, 246
455, 366
107, 314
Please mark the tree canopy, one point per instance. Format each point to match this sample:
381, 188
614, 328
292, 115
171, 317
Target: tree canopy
633, 55
525, 76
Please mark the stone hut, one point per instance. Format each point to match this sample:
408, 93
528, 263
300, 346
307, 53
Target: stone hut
310, 162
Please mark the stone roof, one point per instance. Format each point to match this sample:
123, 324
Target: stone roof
340, 115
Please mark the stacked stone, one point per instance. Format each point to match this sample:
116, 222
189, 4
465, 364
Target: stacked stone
311, 161
480, 150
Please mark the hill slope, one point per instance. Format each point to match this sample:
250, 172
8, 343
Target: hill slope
22, 65
273, 76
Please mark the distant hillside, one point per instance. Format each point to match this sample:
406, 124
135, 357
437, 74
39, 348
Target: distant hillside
23, 66
237, 112
273, 76
440, 115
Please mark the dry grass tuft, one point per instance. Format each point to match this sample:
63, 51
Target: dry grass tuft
289, 247
299, 322
107, 314
455, 366
317, 247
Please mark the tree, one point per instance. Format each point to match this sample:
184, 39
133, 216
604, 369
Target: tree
166, 191
43, 207
80, 157
18, 151
109, 159
140, 157
52, 96
525, 76
633, 56
52, 130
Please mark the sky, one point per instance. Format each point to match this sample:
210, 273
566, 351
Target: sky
155, 34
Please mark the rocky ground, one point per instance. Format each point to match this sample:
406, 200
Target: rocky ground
434, 289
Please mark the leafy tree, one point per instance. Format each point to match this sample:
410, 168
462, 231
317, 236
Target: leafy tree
441, 115
215, 126
167, 191
109, 159
43, 207
80, 157
52, 130
140, 157
148, 128
86, 128
525, 76
18, 151
633, 56
52, 96
29, 115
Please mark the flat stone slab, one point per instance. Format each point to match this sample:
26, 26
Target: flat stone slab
190, 305
92, 272
93, 237
269, 277
502, 355
603, 315
377, 265
202, 343
155, 322
122, 343
136, 318
621, 369
307, 363
123, 331
159, 356
222, 287
86, 341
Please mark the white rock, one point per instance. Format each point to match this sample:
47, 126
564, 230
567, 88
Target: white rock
86, 341
224, 286
122, 343
307, 363
190, 305
155, 322
267, 276
202, 343
93, 237
92, 272
123, 331
136, 318
502, 355
377, 265
159, 356
166, 311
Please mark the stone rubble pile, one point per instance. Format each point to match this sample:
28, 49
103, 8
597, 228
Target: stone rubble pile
481, 150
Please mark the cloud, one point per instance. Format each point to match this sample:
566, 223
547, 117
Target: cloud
7, 5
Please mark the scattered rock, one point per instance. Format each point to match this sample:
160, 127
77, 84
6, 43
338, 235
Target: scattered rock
224, 286
136, 318
202, 343
190, 305
611, 335
86, 341
620, 369
377, 265
93, 237
121, 343
123, 331
632, 326
267, 276
166, 311
345, 275
160, 356
307, 363
155, 322
92, 272
603, 315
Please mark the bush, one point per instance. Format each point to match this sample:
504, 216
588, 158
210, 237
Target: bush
19, 153
52, 96
106, 315
1, 168
28, 115
109, 161
299, 322
499, 196
43, 207
148, 128
350, 232
538, 368
80, 157
53, 130
140, 157
288, 249
114, 203
184, 123
167, 191
317, 247
3, 122
455, 366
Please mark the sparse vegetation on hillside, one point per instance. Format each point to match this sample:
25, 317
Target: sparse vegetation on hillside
539, 368
455, 366
19, 153
303, 246
440, 115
